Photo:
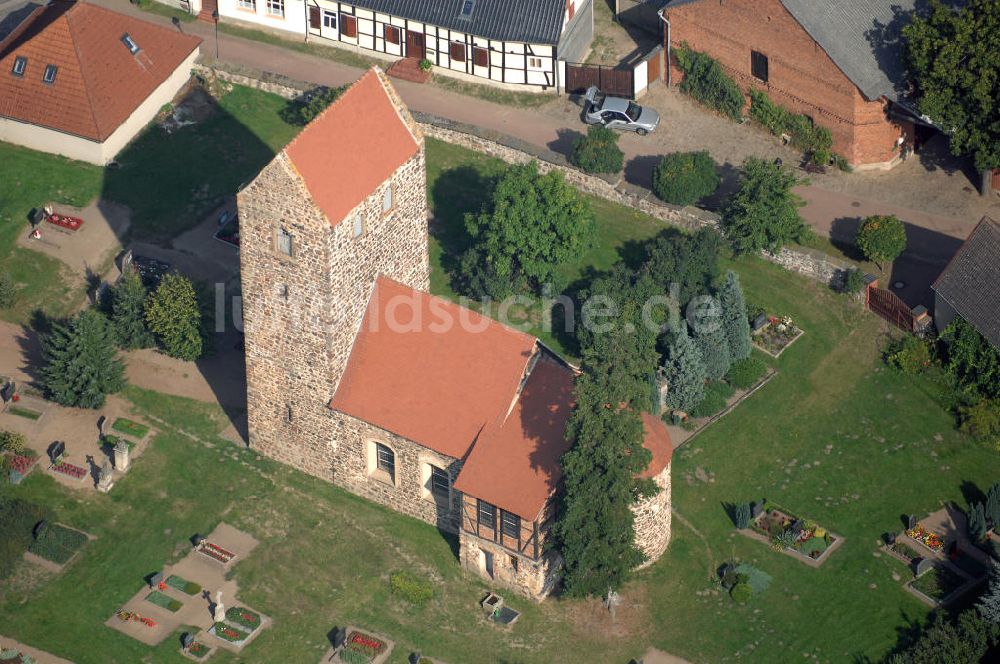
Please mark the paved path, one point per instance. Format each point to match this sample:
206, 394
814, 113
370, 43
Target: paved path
40, 656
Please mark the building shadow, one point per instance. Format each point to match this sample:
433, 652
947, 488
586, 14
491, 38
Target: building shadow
16, 17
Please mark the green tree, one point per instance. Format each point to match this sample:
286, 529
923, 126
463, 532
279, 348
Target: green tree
989, 604
710, 337
685, 372
8, 290
684, 178
303, 111
993, 505
982, 420
953, 58
944, 642
128, 313
971, 360
881, 238
619, 298
598, 151
977, 523
764, 213
81, 367
174, 316
734, 317
690, 261
741, 515
532, 225
595, 531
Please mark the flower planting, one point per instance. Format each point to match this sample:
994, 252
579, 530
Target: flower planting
229, 633
164, 601
786, 532
925, 537
243, 617
198, 649
133, 616
130, 428
216, 552
777, 335
70, 470
364, 644
183, 585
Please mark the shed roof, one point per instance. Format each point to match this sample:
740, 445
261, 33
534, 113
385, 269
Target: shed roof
971, 282
98, 81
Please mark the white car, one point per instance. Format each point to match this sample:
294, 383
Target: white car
618, 113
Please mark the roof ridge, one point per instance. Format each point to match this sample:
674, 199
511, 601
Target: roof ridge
83, 73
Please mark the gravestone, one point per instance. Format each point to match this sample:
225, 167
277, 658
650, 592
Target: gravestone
121, 456
155, 579
339, 637
414, 658
797, 527
56, 451
186, 640
757, 508
219, 614
101, 423
922, 565
126, 262
889, 538
7, 391
197, 539
759, 322
911, 521
105, 480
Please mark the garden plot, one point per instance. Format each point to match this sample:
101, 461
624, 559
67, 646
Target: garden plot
802, 539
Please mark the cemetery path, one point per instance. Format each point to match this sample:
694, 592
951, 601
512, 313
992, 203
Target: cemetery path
41, 657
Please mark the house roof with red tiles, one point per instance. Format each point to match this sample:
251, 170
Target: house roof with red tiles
353, 146
429, 370
471, 388
82, 69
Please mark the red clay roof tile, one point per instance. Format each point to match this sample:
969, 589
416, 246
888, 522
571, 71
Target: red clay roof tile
99, 83
352, 147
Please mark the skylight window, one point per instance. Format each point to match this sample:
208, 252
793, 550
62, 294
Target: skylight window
20, 64
466, 10
130, 44
50, 74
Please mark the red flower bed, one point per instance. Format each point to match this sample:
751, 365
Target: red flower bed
217, 552
22, 464
72, 223
364, 643
76, 472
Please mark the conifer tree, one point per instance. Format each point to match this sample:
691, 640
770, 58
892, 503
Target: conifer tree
174, 316
80, 364
734, 317
977, 523
714, 347
685, 372
993, 505
128, 314
989, 602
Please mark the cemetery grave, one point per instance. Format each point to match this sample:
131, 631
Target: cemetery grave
776, 335
57, 543
130, 428
805, 540
938, 582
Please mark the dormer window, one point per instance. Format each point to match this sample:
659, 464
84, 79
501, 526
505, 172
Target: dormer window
50, 74
20, 64
130, 44
467, 6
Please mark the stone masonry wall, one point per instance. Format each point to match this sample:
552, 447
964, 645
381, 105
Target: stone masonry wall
532, 579
653, 519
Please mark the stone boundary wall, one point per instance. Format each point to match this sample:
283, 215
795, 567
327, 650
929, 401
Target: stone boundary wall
809, 263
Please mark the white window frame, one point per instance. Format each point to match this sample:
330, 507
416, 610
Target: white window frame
534, 62
276, 8
49, 75
249, 5
387, 201
330, 19
20, 66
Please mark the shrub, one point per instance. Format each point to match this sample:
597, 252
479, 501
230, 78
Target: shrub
783, 539
705, 81
881, 238
745, 373
426, 64
808, 137
302, 111
13, 442
972, 361
741, 593
982, 420
684, 178
8, 290
174, 316
909, 354
409, 587
741, 515
716, 395
755, 578
854, 281
598, 151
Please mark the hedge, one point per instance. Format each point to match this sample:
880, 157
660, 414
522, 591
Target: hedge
705, 81
811, 138
684, 178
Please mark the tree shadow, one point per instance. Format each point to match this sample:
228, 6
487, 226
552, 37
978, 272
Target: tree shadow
972, 493
729, 184
563, 145
457, 192
639, 170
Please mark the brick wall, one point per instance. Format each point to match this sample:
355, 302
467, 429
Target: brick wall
534, 579
801, 76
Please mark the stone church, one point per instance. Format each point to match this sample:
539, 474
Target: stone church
357, 375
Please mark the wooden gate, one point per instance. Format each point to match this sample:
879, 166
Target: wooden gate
996, 179
615, 81
891, 307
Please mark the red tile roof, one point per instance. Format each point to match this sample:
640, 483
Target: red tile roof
657, 440
352, 147
431, 383
99, 83
515, 463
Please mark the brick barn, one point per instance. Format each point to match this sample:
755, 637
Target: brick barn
355, 374
837, 61
81, 81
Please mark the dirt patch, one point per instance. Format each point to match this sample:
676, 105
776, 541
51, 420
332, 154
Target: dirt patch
591, 617
195, 107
